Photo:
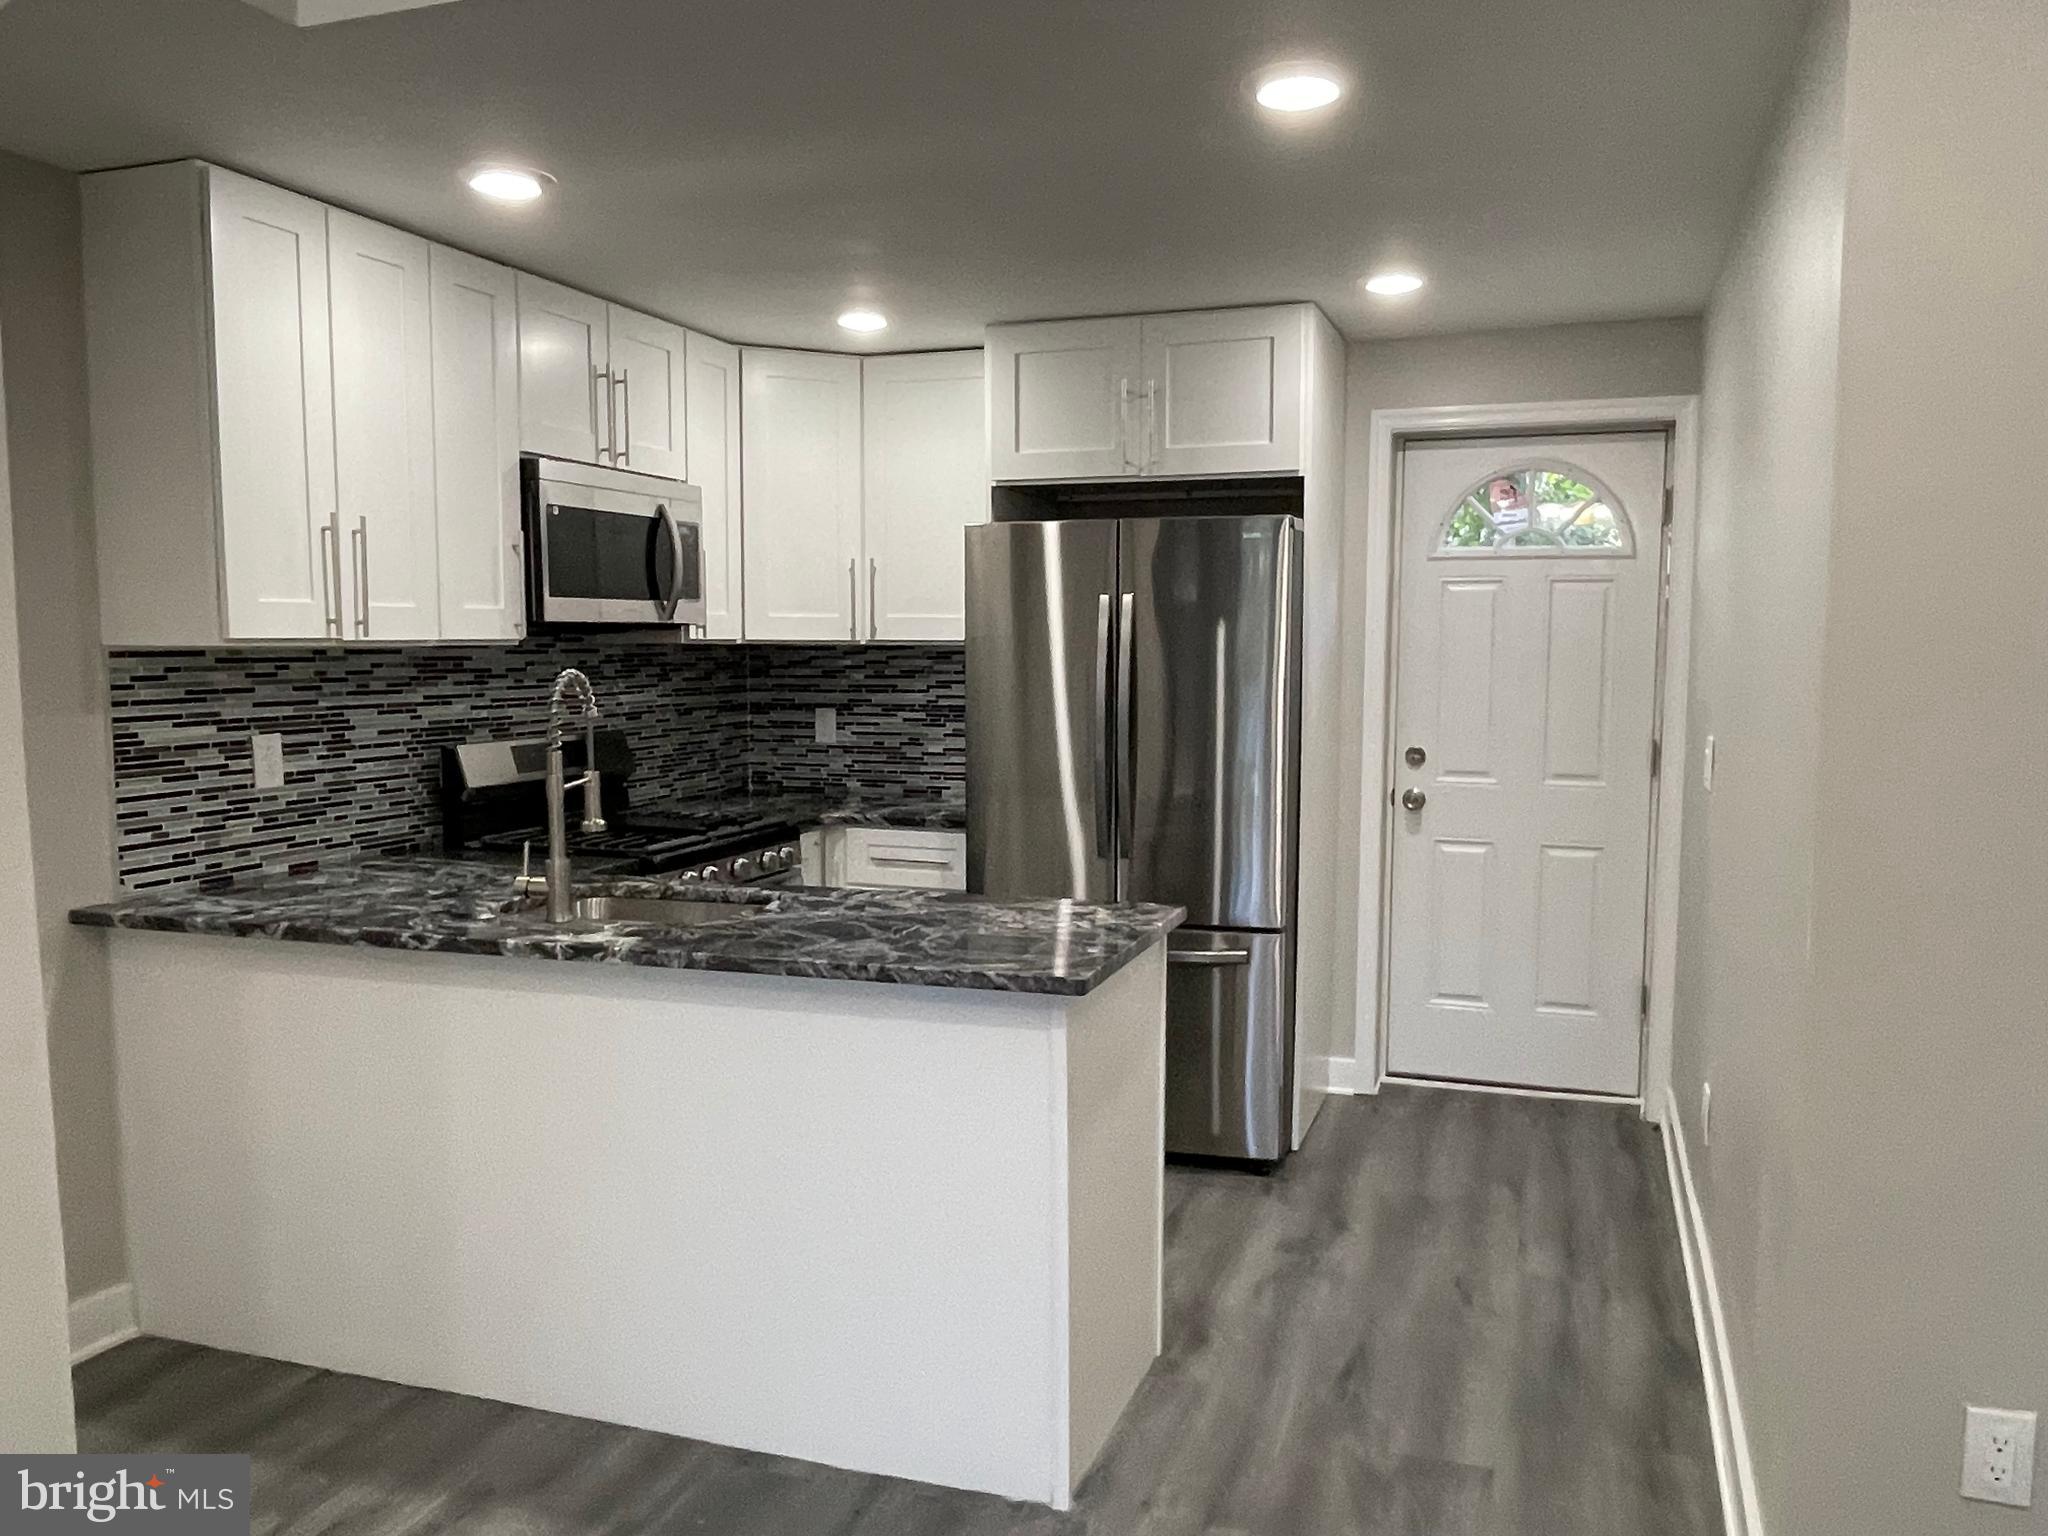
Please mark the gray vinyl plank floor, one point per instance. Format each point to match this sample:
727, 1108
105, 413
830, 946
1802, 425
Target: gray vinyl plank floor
1450, 1315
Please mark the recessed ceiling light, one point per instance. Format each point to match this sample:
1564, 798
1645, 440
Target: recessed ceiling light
863, 320
506, 184
1298, 90
1392, 284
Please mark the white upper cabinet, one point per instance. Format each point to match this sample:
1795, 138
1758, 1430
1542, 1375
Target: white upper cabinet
713, 409
800, 456
383, 429
1209, 392
1062, 399
925, 472
565, 402
272, 376
645, 423
1223, 391
476, 446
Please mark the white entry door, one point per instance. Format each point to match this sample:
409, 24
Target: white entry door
1526, 684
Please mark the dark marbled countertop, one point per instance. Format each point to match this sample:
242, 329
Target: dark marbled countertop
916, 938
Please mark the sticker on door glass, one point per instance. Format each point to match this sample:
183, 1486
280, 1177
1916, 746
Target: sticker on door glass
1542, 509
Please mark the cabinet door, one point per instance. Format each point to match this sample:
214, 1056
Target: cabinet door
274, 399
1222, 392
712, 408
650, 395
383, 429
476, 446
563, 347
1063, 399
925, 471
800, 472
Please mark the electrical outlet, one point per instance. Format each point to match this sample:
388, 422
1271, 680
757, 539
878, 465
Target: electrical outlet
1707, 766
1998, 1456
266, 760
828, 723
1706, 1114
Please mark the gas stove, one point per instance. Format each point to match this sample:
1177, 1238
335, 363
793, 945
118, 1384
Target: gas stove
493, 800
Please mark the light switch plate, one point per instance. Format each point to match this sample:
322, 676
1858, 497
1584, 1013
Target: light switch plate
828, 723
1998, 1456
266, 760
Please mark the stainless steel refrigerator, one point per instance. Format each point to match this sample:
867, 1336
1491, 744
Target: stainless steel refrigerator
1133, 725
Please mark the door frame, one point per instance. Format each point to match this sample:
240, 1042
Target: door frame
1390, 431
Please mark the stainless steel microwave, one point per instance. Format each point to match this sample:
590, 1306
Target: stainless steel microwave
611, 547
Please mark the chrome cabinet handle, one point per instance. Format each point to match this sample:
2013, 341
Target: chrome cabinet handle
622, 447
1123, 424
1103, 728
853, 599
330, 577
874, 610
1413, 799
604, 422
1208, 957
1151, 460
1127, 790
359, 536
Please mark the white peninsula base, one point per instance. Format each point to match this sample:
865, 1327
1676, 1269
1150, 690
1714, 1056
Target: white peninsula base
902, 1229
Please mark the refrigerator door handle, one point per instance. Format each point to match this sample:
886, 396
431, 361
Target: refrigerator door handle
1126, 707
1103, 726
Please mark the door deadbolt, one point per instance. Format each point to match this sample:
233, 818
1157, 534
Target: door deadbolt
1413, 799
1415, 757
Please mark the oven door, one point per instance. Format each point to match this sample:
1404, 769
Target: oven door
608, 547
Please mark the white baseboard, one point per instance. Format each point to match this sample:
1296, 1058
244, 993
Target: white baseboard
1741, 1513
1341, 1075
102, 1320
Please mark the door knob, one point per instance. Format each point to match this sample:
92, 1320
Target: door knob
1413, 799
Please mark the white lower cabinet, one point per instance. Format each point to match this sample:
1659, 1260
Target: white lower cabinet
800, 472
925, 481
910, 858
476, 446
712, 405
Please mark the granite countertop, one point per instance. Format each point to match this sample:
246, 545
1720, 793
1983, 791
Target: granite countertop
917, 938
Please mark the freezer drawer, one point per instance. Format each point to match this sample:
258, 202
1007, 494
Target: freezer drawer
1229, 1028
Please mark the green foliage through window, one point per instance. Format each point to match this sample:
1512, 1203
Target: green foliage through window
1537, 509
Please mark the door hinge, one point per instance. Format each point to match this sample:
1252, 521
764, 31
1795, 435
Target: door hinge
1656, 757
1646, 999
1670, 501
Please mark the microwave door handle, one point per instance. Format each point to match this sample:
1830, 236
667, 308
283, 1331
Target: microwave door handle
674, 595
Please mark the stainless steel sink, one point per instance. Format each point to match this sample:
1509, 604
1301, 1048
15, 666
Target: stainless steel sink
673, 912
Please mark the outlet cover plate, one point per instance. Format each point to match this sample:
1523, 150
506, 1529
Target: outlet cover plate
1998, 1456
828, 723
266, 760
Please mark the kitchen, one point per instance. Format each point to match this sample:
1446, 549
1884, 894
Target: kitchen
890, 770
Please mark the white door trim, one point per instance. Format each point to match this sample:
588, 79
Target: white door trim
1389, 430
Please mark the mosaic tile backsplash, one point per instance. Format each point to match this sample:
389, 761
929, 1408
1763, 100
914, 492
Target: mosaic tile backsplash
362, 728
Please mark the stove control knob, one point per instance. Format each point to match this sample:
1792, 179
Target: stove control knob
711, 871
691, 874
743, 869
772, 862
791, 857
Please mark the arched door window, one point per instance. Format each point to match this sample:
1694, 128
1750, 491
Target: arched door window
1537, 509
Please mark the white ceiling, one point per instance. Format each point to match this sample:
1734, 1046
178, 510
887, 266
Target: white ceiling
752, 166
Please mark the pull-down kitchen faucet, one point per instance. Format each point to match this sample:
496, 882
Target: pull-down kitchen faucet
573, 699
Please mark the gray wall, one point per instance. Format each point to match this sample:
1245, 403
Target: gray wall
35, 1384
1866, 889
1566, 362
63, 683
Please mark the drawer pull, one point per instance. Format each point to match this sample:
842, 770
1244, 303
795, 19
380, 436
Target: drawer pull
1209, 956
